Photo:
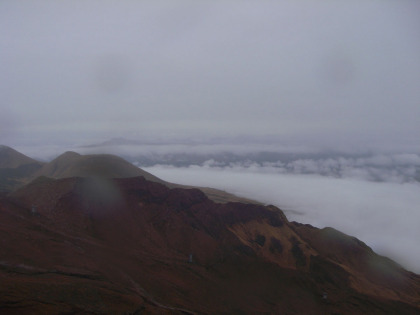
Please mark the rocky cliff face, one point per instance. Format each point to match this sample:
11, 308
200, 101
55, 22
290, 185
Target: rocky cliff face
129, 245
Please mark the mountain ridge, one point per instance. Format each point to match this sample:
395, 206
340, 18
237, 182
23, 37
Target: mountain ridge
15, 168
87, 242
177, 248
73, 164
10, 158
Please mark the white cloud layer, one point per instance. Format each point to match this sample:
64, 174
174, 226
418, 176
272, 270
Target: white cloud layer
384, 215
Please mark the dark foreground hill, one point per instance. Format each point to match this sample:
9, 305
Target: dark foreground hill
132, 246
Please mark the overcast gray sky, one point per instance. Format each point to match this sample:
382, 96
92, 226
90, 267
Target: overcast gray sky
330, 73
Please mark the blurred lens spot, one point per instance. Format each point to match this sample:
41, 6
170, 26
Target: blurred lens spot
112, 73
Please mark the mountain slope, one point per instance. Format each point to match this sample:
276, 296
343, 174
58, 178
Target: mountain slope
10, 158
125, 245
72, 164
15, 168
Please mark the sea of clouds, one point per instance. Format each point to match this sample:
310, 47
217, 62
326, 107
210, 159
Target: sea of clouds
400, 168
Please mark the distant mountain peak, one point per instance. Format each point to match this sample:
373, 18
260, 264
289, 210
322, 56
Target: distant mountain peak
116, 142
10, 158
6, 148
70, 153
72, 164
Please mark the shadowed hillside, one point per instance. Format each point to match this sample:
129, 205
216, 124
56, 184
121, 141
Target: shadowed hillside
130, 245
15, 168
72, 164
19, 169
10, 158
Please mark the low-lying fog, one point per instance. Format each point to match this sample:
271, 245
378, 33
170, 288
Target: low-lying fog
385, 215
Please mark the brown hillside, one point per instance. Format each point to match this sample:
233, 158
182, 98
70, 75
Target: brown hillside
72, 164
15, 168
130, 245
10, 158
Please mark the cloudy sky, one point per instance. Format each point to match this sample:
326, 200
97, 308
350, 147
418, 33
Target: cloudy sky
324, 73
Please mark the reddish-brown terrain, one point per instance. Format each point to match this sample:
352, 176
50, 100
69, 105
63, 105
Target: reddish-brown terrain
96, 245
17, 169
